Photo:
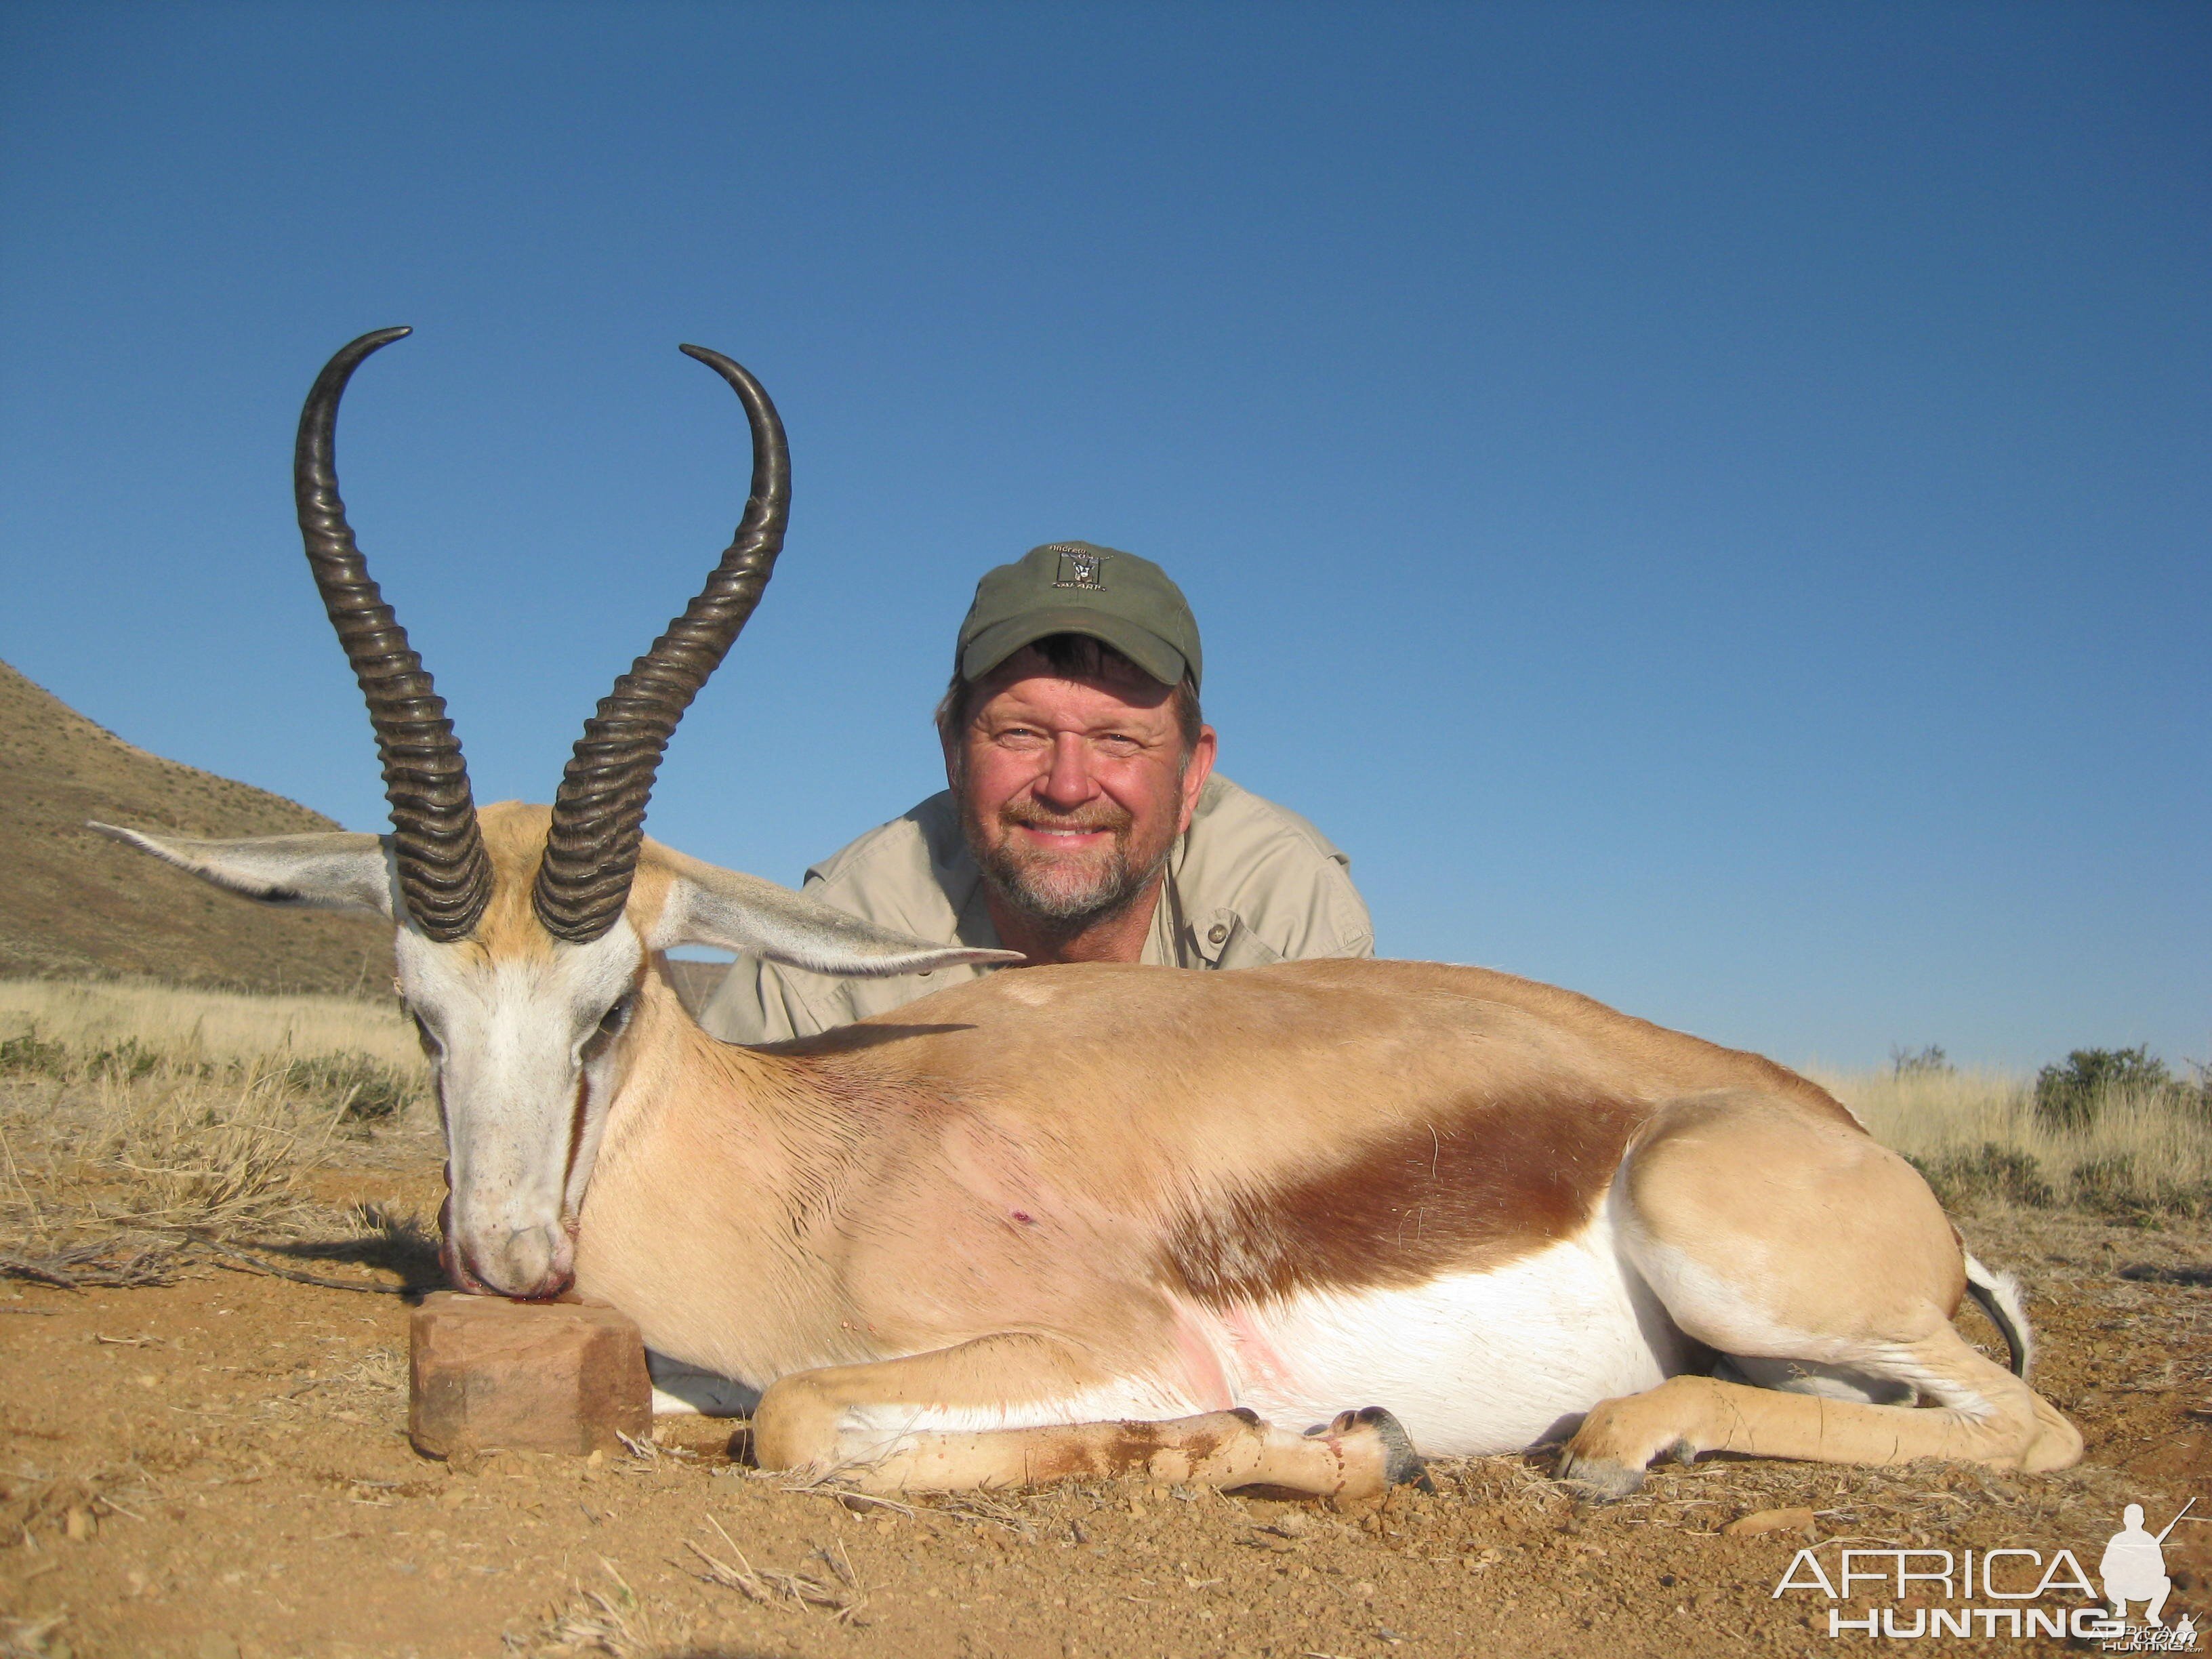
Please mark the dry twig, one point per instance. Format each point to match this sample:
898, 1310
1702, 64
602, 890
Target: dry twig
770, 1588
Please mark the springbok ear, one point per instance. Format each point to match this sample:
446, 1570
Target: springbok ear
733, 912
340, 871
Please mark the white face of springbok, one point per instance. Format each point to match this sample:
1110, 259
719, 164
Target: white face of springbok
523, 932
523, 1048
526, 1033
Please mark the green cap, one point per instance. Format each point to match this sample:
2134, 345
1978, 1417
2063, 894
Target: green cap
1078, 587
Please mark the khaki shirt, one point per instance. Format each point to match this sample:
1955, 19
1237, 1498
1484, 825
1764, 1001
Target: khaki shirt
1247, 884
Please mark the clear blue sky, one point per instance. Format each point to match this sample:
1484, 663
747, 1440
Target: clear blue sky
1708, 505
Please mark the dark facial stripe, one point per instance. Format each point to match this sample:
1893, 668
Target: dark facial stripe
1477, 1188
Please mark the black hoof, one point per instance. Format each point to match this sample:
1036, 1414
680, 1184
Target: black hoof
1401, 1464
1598, 1481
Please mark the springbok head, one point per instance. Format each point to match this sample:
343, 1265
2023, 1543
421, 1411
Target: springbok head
524, 936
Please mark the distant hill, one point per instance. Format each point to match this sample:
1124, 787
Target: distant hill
74, 902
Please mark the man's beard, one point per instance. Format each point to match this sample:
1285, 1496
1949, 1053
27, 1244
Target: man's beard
1065, 891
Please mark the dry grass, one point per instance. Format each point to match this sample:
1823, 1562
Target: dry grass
136, 1120
839, 1595
1977, 1138
222, 1150
616, 1622
188, 1027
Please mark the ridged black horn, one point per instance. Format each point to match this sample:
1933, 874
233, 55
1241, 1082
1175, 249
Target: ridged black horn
599, 814
444, 877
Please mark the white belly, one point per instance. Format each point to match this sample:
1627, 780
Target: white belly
1480, 1363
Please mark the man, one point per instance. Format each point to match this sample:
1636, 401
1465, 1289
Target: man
1084, 822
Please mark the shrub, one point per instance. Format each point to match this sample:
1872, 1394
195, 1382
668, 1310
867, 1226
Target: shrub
2003, 1173
129, 1060
1930, 1062
32, 1054
367, 1089
125, 1061
2070, 1096
2115, 1186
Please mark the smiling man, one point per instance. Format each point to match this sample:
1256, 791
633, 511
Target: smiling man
1084, 822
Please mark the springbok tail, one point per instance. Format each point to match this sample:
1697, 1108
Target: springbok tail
1998, 1296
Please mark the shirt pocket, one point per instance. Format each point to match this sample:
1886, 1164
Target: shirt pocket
1225, 942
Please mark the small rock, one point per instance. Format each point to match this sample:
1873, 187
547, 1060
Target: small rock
79, 1525
489, 1375
1750, 1526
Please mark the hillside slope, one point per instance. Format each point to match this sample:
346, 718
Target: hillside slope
72, 902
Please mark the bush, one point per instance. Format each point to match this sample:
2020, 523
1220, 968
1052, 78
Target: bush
2115, 1187
1930, 1062
368, 1088
2003, 1173
31, 1054
2070, 1096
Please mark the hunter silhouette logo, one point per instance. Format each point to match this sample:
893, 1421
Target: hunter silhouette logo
2134, 1569
2006, 1592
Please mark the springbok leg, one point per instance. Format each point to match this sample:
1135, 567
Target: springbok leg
1776, 1237
1991, 1417
890, 1427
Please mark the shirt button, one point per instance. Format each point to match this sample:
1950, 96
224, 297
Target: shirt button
1218, 933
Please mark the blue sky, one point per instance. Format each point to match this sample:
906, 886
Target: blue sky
1709, 505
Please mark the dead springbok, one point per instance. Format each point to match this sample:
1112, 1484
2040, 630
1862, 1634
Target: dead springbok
1085, 1220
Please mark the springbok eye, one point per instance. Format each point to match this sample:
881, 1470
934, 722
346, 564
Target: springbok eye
611, 1024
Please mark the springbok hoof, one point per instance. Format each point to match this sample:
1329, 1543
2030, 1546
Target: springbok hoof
1402, 1465
1600, 1479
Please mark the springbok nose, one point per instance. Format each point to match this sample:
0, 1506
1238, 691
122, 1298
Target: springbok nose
534, 1264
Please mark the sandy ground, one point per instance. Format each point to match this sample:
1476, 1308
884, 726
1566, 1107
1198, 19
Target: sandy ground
217, 1469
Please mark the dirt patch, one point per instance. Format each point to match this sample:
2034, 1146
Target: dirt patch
217, 1467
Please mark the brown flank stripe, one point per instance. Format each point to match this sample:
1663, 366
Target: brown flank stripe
1478, 1187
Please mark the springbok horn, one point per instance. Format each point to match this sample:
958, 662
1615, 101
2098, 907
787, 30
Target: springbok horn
598, 813
445, 879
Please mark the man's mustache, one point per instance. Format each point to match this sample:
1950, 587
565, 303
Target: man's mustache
1096, 815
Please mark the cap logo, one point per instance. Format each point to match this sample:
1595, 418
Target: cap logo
1080, 571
